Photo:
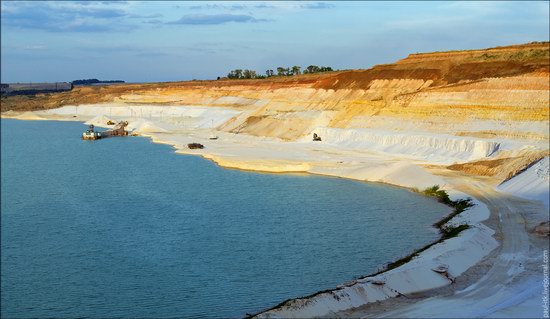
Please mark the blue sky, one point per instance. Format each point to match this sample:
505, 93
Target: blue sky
142, 41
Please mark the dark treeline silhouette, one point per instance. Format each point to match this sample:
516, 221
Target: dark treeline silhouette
94, 81
281, 71
243, 74
34, 88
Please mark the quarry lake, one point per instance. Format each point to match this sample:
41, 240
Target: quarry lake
122, 227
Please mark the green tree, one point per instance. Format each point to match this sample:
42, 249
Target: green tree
238, 74
312, 69
282, 71
296, 70
249, 74
325, 69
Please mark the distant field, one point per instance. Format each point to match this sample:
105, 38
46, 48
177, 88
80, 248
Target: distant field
32, 88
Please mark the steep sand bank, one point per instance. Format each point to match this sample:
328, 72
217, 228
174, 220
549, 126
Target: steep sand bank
493, 93
464, 120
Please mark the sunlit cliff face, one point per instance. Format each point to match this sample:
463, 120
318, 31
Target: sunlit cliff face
501, 92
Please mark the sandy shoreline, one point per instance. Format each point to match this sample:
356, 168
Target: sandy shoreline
498, 235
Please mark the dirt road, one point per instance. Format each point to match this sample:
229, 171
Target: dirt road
511, 284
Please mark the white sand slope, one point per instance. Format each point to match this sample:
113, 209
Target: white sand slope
533, 183
29, 116
100, 120
444, 149
507, 287
196, 116
144, 126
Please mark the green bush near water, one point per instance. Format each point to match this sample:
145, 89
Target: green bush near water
459, 206
447, 232
441, 195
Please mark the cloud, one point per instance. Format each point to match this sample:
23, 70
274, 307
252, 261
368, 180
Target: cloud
317, 5
26, 47
282, 5
146, 16
210, 19
264, 6
153, 21
219, 6
64, 16
152, 54
240, 6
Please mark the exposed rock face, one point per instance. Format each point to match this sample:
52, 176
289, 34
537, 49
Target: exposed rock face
503, 166
494, 93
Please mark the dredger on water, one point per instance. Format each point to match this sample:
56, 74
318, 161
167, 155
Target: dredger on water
117, 130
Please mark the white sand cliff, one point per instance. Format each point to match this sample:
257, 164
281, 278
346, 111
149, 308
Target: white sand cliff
531, 184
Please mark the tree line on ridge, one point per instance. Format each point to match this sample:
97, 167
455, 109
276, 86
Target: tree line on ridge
281, 71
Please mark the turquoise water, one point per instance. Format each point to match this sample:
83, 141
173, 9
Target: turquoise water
123, 227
